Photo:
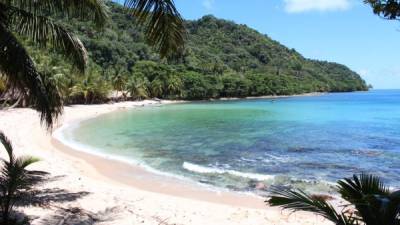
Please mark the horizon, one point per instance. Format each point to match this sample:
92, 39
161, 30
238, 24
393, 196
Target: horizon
317, 32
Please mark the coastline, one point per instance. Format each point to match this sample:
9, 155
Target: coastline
311, 94
115, 184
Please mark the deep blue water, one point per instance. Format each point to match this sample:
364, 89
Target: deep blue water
299, 141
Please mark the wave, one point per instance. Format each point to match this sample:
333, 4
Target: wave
63, 133
208, 170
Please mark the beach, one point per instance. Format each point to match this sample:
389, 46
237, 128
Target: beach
108, 191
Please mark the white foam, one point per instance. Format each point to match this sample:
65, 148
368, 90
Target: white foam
61, 135
204, 170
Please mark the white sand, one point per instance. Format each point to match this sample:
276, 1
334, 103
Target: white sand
116, 193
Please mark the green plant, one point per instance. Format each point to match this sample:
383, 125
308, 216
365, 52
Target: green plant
29, 19
388, 9
137, 88
157, 88
14, 179
370, 202
32, 19
89, 89
119, 83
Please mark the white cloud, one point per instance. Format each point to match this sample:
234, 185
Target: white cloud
298, 6
208, 4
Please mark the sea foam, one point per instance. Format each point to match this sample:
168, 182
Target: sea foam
209, 170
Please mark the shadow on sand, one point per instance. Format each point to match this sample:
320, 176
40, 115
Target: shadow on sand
52, 197
79, 216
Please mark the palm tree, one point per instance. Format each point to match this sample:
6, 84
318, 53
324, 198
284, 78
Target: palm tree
174, 85
164, 30
370, 202
137, 87
91, 89
119, 83
14, 179
26, 18
157, 88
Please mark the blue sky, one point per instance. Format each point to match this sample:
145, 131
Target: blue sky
343, 31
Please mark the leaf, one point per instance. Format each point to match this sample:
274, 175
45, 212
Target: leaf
163, 24
22, 75
42, 31
94, 10
297, 200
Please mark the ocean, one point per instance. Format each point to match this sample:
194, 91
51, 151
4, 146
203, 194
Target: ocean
249, 145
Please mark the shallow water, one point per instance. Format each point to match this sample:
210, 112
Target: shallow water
305, 142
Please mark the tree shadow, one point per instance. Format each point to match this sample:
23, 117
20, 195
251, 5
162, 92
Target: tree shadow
79, 216
49, 197
45, 197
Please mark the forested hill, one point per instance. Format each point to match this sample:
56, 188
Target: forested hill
222, 59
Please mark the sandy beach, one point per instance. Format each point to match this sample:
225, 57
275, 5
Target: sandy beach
98, 190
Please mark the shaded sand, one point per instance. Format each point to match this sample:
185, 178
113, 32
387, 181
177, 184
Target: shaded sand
96, 190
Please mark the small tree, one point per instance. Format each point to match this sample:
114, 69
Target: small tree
370, 202
137, 88
14, 179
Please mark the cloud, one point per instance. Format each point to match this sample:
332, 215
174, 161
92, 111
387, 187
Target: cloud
298, 6
208, 4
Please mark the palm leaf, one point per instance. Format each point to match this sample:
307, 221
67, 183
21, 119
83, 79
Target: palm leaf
25, 161
357, 187
42, 31
164, 26
7, 146
21, 74
297, 200
94, 10
370, 197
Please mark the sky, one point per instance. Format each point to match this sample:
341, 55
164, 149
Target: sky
343, 31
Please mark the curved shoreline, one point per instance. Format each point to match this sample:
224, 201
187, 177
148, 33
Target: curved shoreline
178, 186
130, 193
115, 168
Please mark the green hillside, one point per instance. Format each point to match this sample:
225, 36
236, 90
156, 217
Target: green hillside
221, 59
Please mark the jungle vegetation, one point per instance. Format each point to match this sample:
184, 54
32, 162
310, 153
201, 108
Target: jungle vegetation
27, 26
220, 59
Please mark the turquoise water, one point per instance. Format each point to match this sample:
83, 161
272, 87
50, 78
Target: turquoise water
300, 141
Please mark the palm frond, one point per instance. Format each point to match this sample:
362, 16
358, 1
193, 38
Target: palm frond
164, 26
94, 10
25, 161
297, 200
357, 187
42, 31
7, 146
370, 197
21, 74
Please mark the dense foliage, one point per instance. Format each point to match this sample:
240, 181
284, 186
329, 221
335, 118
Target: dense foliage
388, 9
30, 19
36, 21
221, 59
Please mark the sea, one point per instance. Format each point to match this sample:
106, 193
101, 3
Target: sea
307, 142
